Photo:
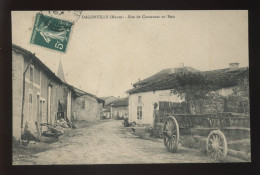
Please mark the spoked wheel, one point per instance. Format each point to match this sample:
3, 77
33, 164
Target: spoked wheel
217, 145
171, 134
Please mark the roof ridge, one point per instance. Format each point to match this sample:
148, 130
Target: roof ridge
29, 53
221, 78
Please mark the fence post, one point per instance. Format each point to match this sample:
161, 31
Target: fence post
221, 121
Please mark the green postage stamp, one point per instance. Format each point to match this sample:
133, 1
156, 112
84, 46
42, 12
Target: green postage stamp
51, 32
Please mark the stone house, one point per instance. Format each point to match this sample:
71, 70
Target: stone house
147, 94
40, 96
86, 106
108, 100
107, 106
44, 93
119, 108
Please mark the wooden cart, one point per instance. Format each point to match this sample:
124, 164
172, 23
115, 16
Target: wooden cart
209, 126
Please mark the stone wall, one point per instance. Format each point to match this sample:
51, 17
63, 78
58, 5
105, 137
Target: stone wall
91, 111
37, 109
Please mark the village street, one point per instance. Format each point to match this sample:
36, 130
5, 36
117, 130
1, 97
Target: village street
108, 142
76, 116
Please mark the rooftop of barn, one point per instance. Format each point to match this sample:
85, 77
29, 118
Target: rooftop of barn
221, 78
120, 102
81, 92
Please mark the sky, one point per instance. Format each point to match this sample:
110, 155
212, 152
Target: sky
106, 56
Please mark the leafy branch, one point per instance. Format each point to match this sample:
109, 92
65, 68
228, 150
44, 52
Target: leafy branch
192, 85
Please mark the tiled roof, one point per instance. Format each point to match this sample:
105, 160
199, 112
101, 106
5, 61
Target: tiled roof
162, 74
108, 100
81, 92
220, 78
35, 60
120, 102
104, 98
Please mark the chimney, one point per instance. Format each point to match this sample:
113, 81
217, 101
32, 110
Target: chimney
233, 66
180, 68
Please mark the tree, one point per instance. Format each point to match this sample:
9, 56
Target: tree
200, 88
192, 85
239, 100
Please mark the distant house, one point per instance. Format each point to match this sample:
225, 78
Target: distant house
109, 99
44, 93
86, 106
107, 105
119, 108
149, 93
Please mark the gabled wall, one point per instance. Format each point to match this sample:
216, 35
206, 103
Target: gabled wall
38, 110
17, 81
90, 113
148, 100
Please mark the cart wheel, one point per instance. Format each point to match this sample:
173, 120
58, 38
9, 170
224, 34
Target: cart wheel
217, 145
171, 134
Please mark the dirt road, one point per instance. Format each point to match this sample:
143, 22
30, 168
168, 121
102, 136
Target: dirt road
108, 142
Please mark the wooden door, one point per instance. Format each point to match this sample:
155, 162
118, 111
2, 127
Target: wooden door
30, 108
40, 111
49, 105
38, 108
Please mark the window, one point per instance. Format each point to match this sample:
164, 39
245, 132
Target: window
49, 104
31, 73
42, 110
85, 104
30, 98
30, 106
139, 99
139, 112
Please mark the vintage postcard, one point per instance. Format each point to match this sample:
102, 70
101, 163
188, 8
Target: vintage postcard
130, 87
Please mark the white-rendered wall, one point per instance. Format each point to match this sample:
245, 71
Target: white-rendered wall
17, 86
148, 100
